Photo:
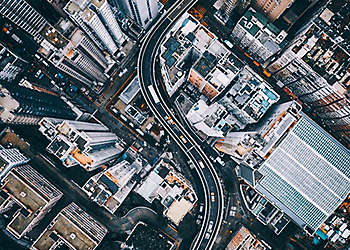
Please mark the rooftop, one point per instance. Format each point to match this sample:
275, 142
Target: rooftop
74, 228
31, 191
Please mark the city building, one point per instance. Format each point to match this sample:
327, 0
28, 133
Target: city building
272, 9
245, 102
97, 19
110, 187
314, 68
294, 164
258, 36
10, 65
72, 228
75, 54
22, 105
24, 16
10, 158
87, 144
142, 12
171, 188
244, 239
27, 197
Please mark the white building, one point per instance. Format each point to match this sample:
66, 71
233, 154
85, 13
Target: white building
142, 11
87, 144
96, 18
110, 188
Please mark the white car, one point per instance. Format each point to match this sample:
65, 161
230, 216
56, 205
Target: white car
210, 227
207, 236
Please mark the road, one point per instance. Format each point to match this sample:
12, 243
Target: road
150, 87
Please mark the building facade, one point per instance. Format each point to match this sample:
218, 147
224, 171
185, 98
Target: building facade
314, 69
141, 11
96, 18
258, 36
24, 16
271, 8
295, 165
86, 144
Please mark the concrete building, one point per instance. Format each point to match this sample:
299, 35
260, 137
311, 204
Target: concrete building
110, 187
10, 65
87, 144
244, 239
142, 12
72, 228
314, 69
10, 158
24, 16
295, 165
245, 102
96, 18
171, 188
22, 105
26, 196
258, 36
271, 8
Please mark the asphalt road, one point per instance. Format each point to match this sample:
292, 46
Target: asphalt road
150, 85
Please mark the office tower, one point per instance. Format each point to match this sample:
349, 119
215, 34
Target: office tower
24, 16
10, 158
296, 165
96, 18
228, 6
72, 228
79, 62
10, 65
87, 144
257, 36
141, 11
28, 197
271, 8
314, 68
82, 60
21, 105
110, 188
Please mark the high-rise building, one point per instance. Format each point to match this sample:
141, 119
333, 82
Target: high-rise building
314, 68
258, 36
75, 55
24, 16
87, 144
28, 196
10, 65
110, 188
141, 11
97, 19
72, 228
295, 164
271, 8
10, 158
21, 105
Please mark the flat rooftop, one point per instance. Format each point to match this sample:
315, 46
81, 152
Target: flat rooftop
25, 196
67, 228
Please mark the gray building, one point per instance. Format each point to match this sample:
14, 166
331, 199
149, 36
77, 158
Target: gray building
86, 144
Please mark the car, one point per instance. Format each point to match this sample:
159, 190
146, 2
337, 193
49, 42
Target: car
183, 139
207, 236
200, 217
212, 197
210, 226
115, 111
201, 207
